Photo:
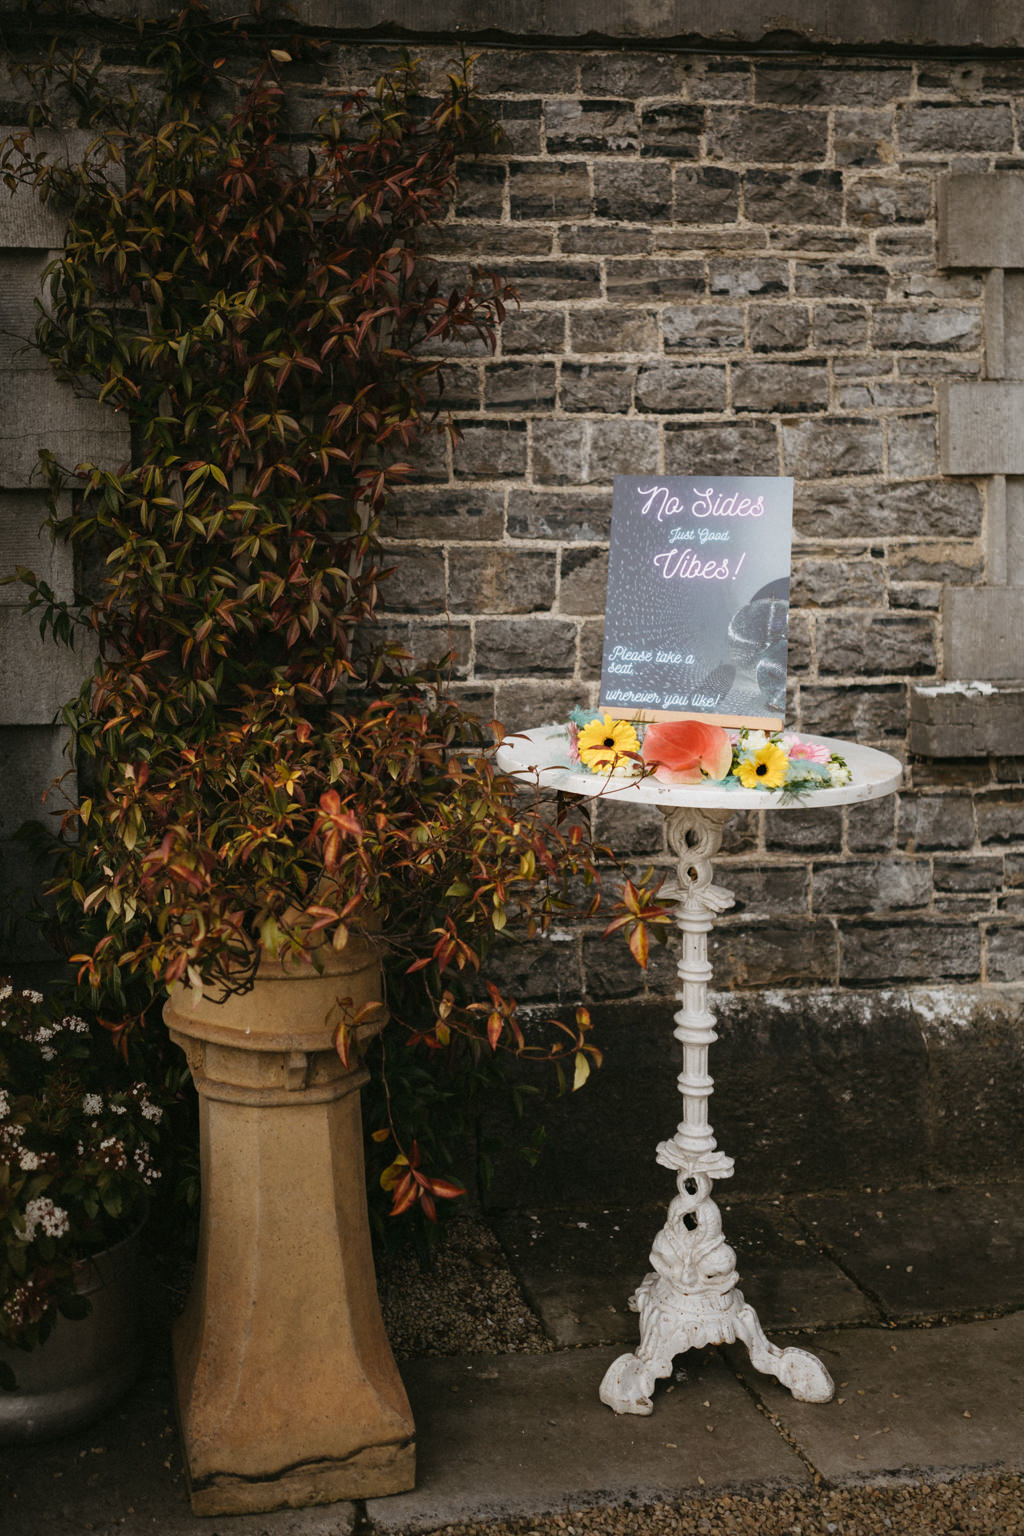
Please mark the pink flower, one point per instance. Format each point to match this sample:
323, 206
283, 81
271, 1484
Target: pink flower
810, 751
687, 751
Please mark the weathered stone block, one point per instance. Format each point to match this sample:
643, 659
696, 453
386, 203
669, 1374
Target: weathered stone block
605, 239
32, 760
546, 189
1004, 951
794, 197
740, 448
578, 518
981, 219
36, 677
520, 123
870, 827
501, 581
863, 136
1000, 815
918, 949
817, 448
704, 328
520, 386
767, 135
511, 647
875, 885
837, 583
443, 643
672, 130
559, 452
634, 279
490, 450
779, 327
874, 644
928, 821
632, 191
621, 446
583, 581
915, 509
841, 280
963, 721
797, 951
521, 704
981, 428
613, 330
25, 541
833, 82
746, 279
840, 326
947, 128
805, 831
631, 74
923, 327
913, 446
678, 387
36, 412
415, 582
445, 512
588, 127
858, 711
983, 636
601, 387
766, 890
706, 195
883, 200
533, 330
480, 193
549, 282
968, 876
780, 386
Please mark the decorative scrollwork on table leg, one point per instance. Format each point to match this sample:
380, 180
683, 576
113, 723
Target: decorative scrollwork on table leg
690, 1299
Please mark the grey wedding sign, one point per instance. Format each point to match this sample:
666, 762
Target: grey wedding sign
697, 613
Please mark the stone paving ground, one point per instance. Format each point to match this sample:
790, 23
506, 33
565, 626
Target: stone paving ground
913, 1298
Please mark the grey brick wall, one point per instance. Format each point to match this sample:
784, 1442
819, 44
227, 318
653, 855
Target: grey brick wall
727, 264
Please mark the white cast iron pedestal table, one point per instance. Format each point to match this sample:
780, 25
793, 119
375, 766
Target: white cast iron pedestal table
691, 1297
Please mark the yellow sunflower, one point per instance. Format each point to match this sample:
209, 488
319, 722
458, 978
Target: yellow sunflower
604, 744
765, 770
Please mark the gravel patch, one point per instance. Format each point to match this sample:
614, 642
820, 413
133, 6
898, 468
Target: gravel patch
464, 1300
971, 1506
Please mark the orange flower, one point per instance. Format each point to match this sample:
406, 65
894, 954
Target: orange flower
687, 751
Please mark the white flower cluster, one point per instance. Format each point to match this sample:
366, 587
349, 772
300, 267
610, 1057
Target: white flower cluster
28, 1161
145, 1165
74, 1025
92, 1104
43, 1213
5, 1104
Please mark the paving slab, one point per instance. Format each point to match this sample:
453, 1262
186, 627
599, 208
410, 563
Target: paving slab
926, 1252
579, 1270
123, 1477
909, 1401
526, 1435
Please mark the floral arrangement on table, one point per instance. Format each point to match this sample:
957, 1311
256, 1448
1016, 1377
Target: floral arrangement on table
77, 1160
695, 752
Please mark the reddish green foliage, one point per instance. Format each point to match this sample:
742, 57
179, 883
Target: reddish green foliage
260, 774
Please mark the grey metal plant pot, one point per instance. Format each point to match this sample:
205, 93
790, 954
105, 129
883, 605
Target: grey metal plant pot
85, 1365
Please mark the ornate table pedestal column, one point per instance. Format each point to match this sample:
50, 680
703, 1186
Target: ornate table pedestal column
691, 1298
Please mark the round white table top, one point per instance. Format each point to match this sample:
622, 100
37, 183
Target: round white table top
541, 756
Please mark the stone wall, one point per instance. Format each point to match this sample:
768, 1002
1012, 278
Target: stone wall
728, 259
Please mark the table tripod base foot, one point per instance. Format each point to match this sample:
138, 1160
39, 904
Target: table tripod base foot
670, 1325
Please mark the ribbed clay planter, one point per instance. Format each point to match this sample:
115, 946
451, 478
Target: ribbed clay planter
288, 1394
85, 1365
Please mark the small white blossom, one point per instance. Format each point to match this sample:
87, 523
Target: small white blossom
151, 1111
29, 1161
5, 1104
5, 991
118, 1109
47, 1052
92, 1104
74, 1025
33, 997
840, 774
43, 1213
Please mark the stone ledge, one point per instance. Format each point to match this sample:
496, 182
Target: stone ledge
959, 720
911, 25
